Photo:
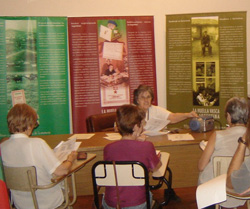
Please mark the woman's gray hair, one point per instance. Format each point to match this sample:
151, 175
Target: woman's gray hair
238, 110
142, 88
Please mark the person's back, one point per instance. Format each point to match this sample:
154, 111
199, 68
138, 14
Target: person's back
224, 142
225, 145
21, 151
131, 147
129, 150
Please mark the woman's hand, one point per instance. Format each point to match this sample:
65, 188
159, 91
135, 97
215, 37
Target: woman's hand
72, 156
193, 114
142, 137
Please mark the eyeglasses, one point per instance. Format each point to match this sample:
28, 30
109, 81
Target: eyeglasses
37, 122
145, 98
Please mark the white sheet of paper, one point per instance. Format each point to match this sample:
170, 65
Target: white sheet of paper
211, 192
203, 144
81, 136
105, 33
180, 137
155, 133
113, 50
155, 124
64, 148
113, 136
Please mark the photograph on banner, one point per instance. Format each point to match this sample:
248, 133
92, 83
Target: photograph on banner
206, 62
205, 56
34, 60
109, 58
114, 71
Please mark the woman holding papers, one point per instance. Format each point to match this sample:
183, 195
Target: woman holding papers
20, 150
130, 120
156, 117
224, 142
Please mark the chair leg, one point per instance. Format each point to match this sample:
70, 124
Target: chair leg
73, 184
248, 204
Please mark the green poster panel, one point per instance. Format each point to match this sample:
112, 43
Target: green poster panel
34, 70
206, 62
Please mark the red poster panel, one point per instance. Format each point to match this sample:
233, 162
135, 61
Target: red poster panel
109, 58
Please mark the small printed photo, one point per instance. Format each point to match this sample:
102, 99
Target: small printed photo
200, 69
210, 69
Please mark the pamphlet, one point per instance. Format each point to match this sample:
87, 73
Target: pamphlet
156, 124
64, 148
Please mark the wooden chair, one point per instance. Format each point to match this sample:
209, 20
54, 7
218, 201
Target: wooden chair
220, 166
25, 179
101, 122
129, 173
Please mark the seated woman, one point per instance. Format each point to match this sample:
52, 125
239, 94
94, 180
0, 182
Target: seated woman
20, 150
156, 117
224, 142
131, 147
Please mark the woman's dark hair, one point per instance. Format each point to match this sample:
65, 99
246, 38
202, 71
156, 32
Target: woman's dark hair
127, 117
238, 110
142, 88
21, 117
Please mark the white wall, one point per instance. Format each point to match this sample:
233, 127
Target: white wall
157, 8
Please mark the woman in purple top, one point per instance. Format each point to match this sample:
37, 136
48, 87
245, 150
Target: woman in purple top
131, 147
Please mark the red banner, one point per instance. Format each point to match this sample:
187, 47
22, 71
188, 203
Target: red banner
109, 58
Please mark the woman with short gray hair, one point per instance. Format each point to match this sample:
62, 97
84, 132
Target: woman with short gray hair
224, 143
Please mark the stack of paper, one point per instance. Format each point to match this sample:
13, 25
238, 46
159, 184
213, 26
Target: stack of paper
113, 136
180, 137
81, 136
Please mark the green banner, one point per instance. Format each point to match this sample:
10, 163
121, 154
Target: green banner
34, 70
206, 62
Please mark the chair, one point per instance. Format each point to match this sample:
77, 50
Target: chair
101, 122
25, 179
220, 166
129, 173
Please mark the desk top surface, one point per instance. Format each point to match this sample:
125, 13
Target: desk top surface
98, 142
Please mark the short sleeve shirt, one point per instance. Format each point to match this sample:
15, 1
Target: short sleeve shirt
129, 150
156, 113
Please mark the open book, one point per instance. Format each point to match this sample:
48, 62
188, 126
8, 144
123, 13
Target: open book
64, 148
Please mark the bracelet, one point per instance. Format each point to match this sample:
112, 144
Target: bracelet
240, 140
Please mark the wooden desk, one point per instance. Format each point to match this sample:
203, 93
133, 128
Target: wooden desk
184, 156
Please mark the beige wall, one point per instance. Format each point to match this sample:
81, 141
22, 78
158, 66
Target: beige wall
157, 8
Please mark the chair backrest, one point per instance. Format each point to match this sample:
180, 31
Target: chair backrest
221, 164
129, 173
17, 177
101, 122
25, 179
